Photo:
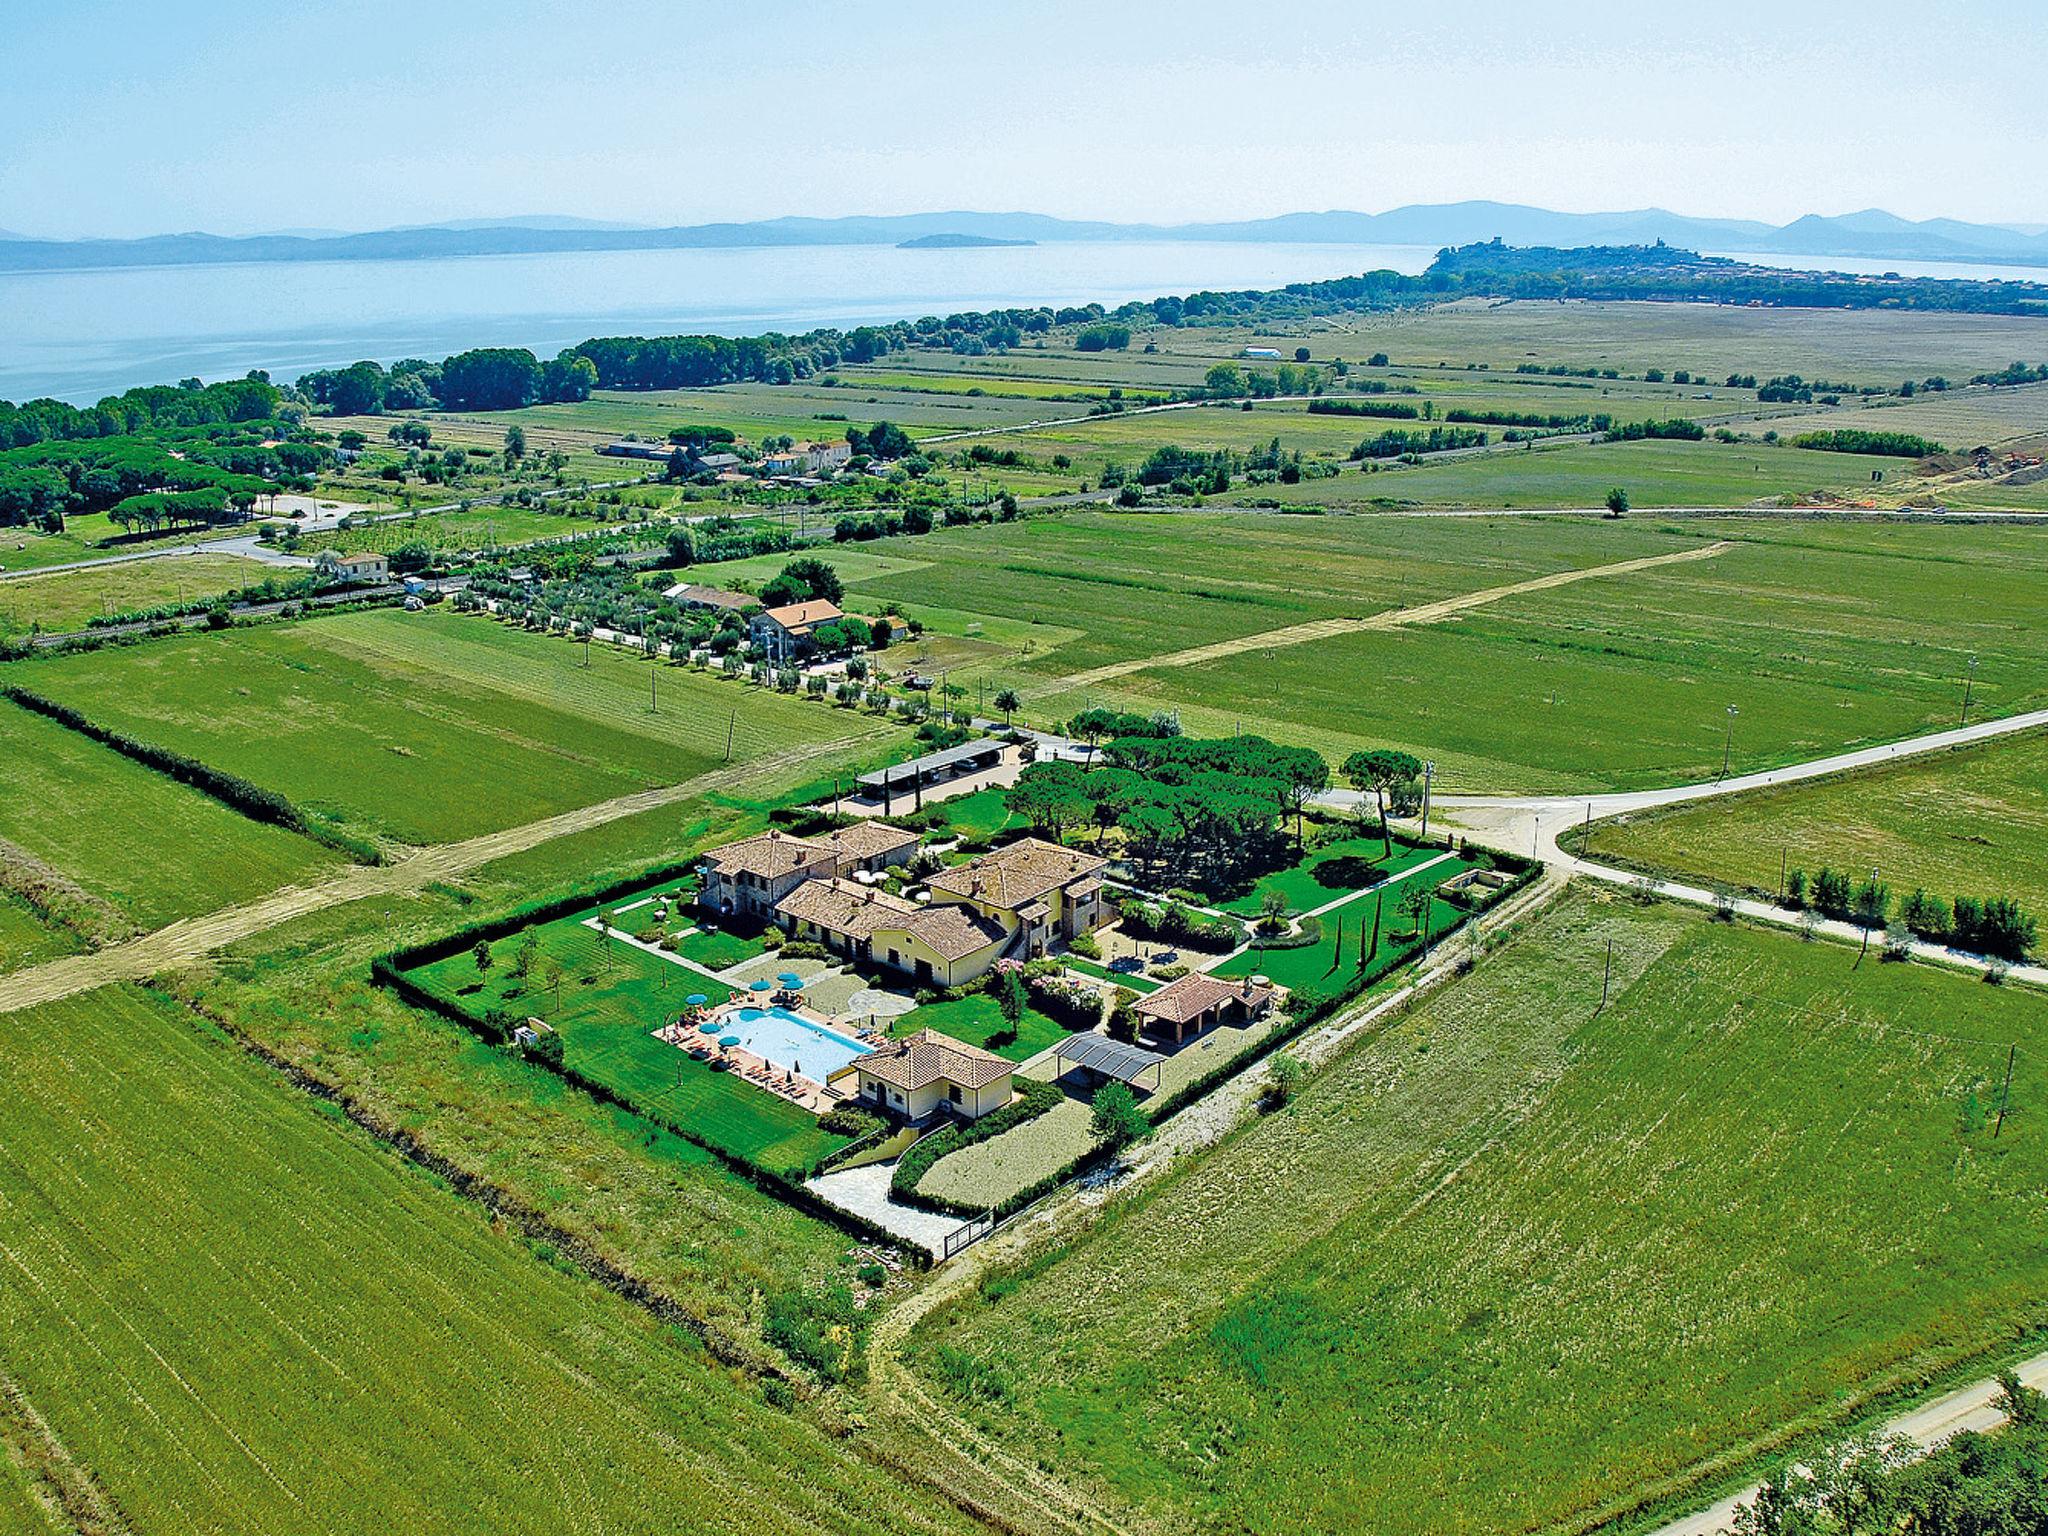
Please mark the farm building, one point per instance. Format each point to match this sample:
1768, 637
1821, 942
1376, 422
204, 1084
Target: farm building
927, 1073
781, 632
693, 594
940, 945
806, 458
363, 565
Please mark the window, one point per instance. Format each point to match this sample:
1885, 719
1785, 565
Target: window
953, 1092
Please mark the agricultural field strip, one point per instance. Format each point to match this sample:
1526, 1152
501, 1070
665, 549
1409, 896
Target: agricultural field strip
190, 940
1392, 618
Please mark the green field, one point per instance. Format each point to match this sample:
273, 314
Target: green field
1656, 473
68, 600
612, 997
1515, 1263
237, 1312
132, 839
1138, 584
1973, 821
429, 727
1824, 636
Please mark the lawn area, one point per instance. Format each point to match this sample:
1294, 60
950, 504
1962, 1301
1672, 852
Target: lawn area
1825, 636
1328, 873
68, 600
984, 813
716, 951
612, 997
430, 727
26, 939
1322, 966
141, 847
1574, 1261
1136, 982
1973, 821
326, 1339
975, 1019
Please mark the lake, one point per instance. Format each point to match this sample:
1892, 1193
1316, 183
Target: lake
82, 335
79, 336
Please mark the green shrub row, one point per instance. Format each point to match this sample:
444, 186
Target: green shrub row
231, 790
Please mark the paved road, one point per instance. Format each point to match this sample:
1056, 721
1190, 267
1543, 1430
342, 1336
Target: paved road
1927, 1426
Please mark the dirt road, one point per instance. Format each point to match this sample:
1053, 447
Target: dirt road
1392, 618
192, 939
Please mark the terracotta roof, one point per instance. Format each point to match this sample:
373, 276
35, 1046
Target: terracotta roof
955, 932
1185, 1000
769, 853
926, 1058
847, 908
799, 616
1019, 874
868, 840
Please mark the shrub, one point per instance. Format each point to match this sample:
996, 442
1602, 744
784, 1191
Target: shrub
848, 1121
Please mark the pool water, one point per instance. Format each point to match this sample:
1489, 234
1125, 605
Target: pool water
790, 1041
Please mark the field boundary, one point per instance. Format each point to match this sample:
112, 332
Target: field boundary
63, 1487
499, 1203
238, 794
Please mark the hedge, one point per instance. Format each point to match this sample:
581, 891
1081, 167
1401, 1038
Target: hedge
231, 790
388, 970
1038, 1098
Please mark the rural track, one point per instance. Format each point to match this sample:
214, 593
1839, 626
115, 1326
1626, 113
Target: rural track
1391, 618
192, 939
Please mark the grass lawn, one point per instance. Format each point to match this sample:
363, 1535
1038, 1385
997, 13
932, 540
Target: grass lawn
1100, 972
611, 998
26, 939
1328, 873
718, 950
1320, 967
68, 600
1575, 1260
430, 727
132, 839
974, 1019
1973, 821
986, 812
325, 1338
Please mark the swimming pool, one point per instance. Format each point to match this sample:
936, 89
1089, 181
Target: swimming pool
792, 1042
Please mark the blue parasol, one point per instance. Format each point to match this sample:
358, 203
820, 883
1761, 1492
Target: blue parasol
763, 985
790, 979
708, 1027
696, 999
730, 1040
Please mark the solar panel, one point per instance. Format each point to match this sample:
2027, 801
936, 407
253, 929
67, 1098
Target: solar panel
1112, 1058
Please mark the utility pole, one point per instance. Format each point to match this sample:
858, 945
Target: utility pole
731, 726
1605, 977
653, 708
1428, 774
1728, 740
2005, 1093
1783, 850
1969, 682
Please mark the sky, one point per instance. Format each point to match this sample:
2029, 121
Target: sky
235, 116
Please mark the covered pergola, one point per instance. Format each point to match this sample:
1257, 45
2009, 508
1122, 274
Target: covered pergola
1110, 1059
941, 767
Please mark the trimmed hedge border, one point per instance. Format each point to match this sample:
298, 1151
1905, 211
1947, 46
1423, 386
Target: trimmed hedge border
388, 970
1039, 1099
231, 790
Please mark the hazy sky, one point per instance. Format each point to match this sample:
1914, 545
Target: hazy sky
120, 118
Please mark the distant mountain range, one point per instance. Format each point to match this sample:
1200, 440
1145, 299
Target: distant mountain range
1872, 235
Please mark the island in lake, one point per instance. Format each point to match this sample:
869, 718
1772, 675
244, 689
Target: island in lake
944, 242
